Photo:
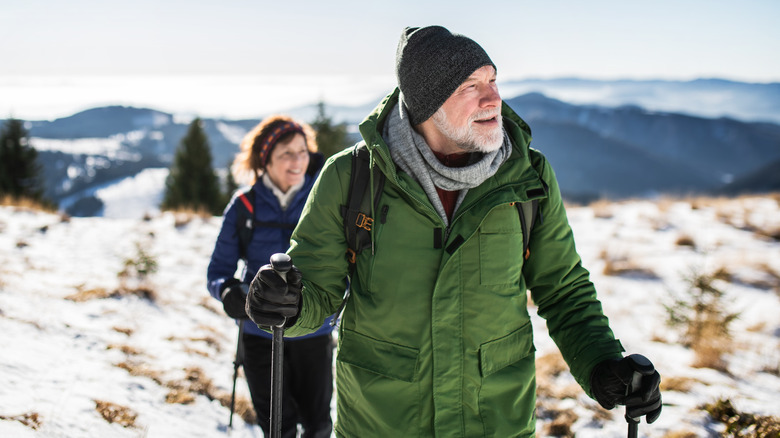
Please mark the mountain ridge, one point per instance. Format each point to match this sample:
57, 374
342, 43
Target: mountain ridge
597, 151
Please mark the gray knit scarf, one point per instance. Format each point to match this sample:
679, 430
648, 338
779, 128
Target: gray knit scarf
413, 155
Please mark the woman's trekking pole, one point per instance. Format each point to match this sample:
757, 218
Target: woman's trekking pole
239, 361
640, 363
282, 264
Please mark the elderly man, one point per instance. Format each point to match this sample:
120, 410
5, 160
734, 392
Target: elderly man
435, 338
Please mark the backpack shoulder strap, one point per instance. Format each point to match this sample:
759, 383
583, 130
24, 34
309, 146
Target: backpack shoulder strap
530, 215
357, 213
245, 221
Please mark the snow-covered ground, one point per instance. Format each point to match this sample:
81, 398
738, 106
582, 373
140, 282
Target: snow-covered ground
61, 357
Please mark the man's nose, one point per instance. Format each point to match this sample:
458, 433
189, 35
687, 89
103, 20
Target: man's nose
490, 96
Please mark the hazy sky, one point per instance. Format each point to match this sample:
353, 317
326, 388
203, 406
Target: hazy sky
631, 39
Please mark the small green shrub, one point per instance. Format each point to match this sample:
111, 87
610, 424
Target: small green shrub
700, 313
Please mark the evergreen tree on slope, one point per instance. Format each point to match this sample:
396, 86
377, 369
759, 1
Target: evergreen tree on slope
330, 138
19, 168
192, 183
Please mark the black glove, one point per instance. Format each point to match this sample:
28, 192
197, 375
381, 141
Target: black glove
610, 381
234, 299
271, 301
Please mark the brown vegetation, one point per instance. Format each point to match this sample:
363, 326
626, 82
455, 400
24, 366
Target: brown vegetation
126, 349
114, 413
102, 293
183, 216
680, 434
620, 265
685, 240
124, 330
562, 420
194, 383
30, 419
742, 424
25, 203
679, 384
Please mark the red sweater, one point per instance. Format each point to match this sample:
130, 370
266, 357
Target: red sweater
450, 197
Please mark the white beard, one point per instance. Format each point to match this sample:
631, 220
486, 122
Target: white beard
466, 137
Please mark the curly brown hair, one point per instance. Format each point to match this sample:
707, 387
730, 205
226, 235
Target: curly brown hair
248, 164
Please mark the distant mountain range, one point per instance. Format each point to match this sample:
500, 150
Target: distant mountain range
596, 150
710, 98
629, 151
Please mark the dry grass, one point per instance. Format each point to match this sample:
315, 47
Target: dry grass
211, 341
742, 424
114, 413
30, 419
25, 203
141, 370
680, 434
562, 420
678, 384
773, 275
768, 278
210, 304
124, 330
551, 365
603, 209
126, 349
685, 240
770, 359
621, 265
82, 294
144, 292
548, 368
195, 382
183, 216
656, 337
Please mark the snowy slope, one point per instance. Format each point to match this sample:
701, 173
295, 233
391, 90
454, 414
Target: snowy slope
59, 356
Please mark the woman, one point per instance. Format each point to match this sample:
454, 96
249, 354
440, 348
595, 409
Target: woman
279, 156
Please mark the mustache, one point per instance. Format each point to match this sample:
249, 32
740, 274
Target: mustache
486, 114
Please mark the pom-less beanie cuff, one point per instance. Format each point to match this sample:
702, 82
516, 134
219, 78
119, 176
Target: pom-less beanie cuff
431, 63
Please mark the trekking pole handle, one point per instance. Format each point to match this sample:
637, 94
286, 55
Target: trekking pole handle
641, 366
282, 263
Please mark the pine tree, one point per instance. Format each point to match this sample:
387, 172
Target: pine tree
230, 185
19, 168
192, 183
330, 138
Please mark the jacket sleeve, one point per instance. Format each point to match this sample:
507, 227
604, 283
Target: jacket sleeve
318, 246
224, 258
561, 288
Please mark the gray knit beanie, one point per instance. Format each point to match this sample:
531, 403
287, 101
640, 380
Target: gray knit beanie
431, 62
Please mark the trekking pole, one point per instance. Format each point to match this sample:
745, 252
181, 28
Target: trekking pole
239, 361
282, 264
642, 366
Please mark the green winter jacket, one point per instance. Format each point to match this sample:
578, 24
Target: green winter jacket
437, 341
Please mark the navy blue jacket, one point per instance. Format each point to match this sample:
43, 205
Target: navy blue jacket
265, 241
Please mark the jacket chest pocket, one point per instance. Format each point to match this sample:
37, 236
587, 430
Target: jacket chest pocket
501, 247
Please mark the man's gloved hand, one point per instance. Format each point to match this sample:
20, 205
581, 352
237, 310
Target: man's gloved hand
271, 300
610, 381
234, 299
